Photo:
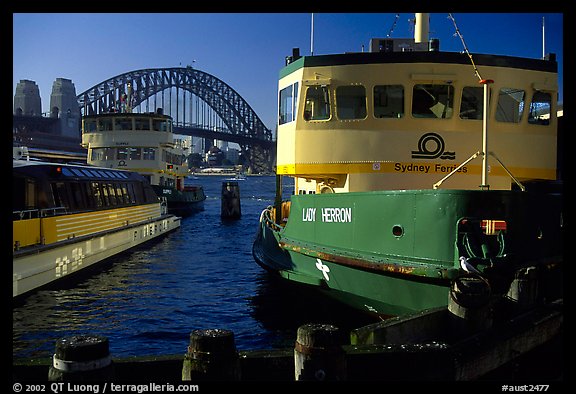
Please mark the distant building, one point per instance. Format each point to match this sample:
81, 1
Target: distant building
60, 131
27, 100
64, 105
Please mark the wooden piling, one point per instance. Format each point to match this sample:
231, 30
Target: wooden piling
230, 202
211, 356
318, 353
469, 304
81, 358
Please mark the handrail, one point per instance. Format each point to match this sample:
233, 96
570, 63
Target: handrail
37, 213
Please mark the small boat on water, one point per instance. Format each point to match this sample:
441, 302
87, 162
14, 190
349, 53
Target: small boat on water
144, 142
66, 218
398, 190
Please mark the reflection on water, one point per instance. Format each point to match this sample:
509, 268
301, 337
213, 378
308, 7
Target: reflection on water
201, 276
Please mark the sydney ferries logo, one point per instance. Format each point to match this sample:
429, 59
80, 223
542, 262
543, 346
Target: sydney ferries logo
431, 146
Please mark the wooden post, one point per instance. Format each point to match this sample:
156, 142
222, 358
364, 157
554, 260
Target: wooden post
523, 290
230, 204
211, 356
82, 358
469, 303
318, 353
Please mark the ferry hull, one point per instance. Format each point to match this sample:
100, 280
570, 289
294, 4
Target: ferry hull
182, 202
396, 252
33, 269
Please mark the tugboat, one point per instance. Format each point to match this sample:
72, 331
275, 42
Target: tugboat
144, 142
413, 167
66, 218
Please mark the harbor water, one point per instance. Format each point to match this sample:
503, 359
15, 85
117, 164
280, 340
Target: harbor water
202, 276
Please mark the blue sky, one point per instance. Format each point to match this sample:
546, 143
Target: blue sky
245, 50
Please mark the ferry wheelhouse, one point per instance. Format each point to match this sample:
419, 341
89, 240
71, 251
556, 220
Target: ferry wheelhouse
66, 218
398, 186
144, 143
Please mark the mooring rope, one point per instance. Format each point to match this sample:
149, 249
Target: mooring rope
465, 47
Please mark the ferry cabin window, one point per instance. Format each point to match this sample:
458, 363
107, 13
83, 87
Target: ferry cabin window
317, 104
351, 102
142, 124
105, 124
432, 101
148, 153
288, 98
510, 105
161, 125
122, 154
89, 125
135, 153
389, 101
540, 108
123, 124
95, 188
472, 104
24, 193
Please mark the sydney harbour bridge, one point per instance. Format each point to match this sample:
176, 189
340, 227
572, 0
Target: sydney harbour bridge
200, 104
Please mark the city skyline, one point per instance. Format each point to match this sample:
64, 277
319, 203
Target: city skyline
246, 50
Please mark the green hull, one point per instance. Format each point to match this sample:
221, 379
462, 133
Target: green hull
396, 252
182, 202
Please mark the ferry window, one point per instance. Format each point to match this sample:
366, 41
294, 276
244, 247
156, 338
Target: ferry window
135, 153
432, 101
148, 153
60, 194
125, 194
105, 199
317, 106
288, 100
24, 194
119, 193
123, 124
510, 105
105, 124
102, 154
89, 125
389, 101
351, 102
112, 194
472, 105
95, 187
88, 195
159, 125
77, 194
131, 193
122, 154
540, 108
141, 124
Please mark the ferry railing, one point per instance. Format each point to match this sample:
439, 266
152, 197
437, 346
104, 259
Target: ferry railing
267, 215
37, 213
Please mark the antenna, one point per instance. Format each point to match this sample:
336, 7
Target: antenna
312, 36
543, 39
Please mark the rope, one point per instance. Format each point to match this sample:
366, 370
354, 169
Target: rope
393, 25
465, 47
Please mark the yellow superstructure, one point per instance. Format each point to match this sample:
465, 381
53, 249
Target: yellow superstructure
381, 121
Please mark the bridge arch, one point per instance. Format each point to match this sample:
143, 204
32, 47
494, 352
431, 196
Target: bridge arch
237, 115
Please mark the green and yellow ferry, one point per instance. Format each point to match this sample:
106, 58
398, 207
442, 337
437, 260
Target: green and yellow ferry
412, 167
